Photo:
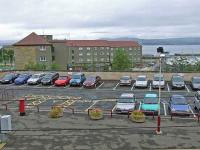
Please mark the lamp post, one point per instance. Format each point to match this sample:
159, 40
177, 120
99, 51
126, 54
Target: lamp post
158, 131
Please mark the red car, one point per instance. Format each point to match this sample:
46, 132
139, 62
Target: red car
62, 81
92, 82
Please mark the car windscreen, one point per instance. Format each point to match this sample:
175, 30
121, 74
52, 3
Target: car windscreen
35, 76
76, 76
158, 79
196, 80
8, 76
62, 78
91, 79
178, 79
22, 75
125, 100
150, 100
179, 100
141, 79
48, 76
125, 78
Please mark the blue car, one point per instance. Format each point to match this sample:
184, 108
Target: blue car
178, 105
22, 79
77, 79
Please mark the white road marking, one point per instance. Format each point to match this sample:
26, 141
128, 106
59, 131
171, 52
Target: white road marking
187, 88
165, 112
115, 86
140, 105
192, 111
114, 108
91, 105
168, 87
81, 87
100, 85
51, 86
150, 87
132, 86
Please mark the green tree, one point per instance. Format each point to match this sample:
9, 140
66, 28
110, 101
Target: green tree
121, 60
55, 66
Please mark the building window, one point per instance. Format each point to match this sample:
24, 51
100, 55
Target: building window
43, 48
43, 58
80, 54
95, 53
111, 49
81, 59
130, 54
88, 54
88, 59
80, 48
111, 54
102, 47
102, 53
107, 48
53, 58
88, 48
95, 59
130, 48
72, 51
108, 53
72, 57
102, 59
107, 59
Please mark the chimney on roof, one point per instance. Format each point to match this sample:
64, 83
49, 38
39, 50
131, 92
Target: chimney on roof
47, 37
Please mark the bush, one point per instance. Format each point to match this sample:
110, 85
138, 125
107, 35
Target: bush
55, 66
35, 66
96, 113
56, 112
137, 116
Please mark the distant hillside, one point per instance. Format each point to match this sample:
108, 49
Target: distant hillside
169, 41
6, 42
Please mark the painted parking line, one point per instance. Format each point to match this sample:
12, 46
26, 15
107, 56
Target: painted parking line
115, 86
68, 103
165, 111
114, 108
91, 105
150, 88
132, 87
81, 87
188, 90
100, 85
192, 111
140, 105
51, 86
168, 87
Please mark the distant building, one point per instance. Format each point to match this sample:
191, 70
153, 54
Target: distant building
71, 53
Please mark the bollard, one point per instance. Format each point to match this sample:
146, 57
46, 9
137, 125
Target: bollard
22, 107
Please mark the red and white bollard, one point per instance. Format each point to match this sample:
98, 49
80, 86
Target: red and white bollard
22, 107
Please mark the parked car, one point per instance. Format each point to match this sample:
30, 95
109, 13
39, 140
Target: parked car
150, 103
22, 78
195, 83
178, 105
50, 78
35, 79
125, 103
158, 80
62, 81
141, 81
197, 100
177, 82
91, 82
9, 78
77, 79
125, 80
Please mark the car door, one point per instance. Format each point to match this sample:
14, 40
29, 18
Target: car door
197, 101
170, 103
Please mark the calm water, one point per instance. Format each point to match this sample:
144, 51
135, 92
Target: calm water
183, 49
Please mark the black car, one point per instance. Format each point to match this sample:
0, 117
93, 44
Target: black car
50, 78
9, 78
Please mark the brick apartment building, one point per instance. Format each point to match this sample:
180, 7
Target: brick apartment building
44, 49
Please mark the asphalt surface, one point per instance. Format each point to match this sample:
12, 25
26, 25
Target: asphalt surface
181, 132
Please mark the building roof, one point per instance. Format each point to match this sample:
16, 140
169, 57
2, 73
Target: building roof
85, 43
123, 43
32, 40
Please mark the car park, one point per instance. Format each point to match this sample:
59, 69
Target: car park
197, 100
22, 78
178, 105
77, 79
125, 80
92, 81
62, 81
195, 83
177, 82
158, 80
9, 78
50, 78
141, 81
125, 103
35, 79
150, 103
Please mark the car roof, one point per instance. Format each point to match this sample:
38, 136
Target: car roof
127, 95
126, 76
177, 95
196, 77
150, 95
198, 92
142, 76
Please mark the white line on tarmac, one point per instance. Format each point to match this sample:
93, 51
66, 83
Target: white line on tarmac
168, 87
51, 86
187, 88
140, 106
81, 87
164, 109
100, 85
114, 108
115, 86
192, 112
92, 105
132, 86
150, 87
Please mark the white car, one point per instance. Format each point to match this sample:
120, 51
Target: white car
125, 103
125, 80
35, 79
158, 80
197, 100
141, 82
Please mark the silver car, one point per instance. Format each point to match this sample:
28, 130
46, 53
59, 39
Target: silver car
195, 83
158, 80
125, 103
35, 79
141, 82
125, 80
197, 100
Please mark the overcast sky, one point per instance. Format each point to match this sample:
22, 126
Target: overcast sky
92, 19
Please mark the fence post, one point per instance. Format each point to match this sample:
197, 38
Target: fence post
111, 113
